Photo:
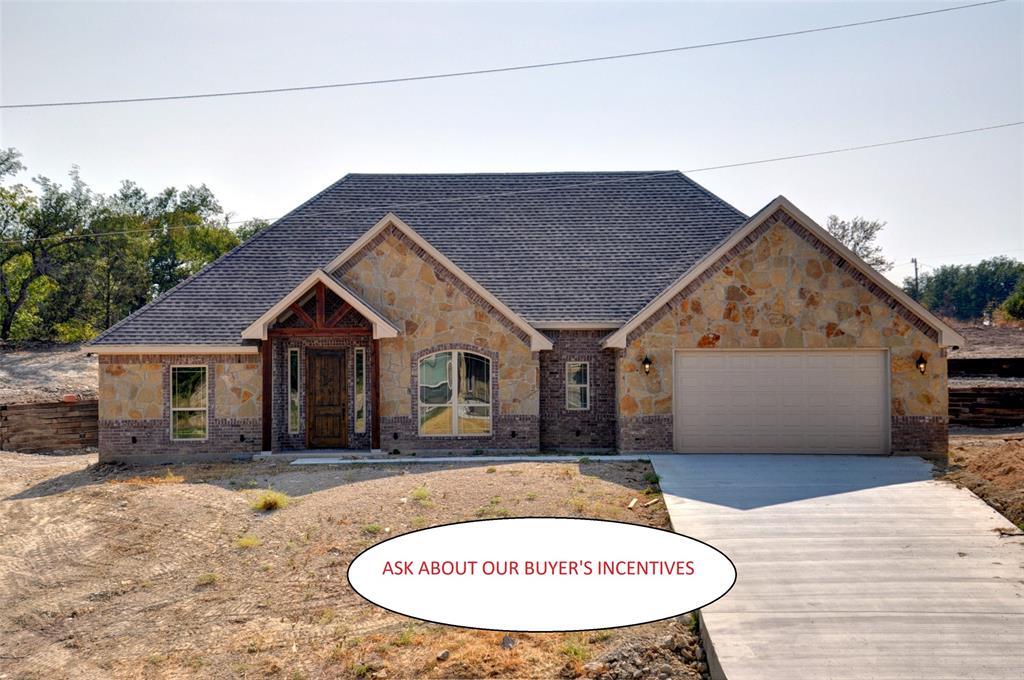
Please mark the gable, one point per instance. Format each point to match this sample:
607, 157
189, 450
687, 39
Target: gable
394, 246
312, 295
810, 236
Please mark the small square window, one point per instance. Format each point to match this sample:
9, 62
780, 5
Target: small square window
577, 385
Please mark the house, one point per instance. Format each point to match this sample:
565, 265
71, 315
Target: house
523, 312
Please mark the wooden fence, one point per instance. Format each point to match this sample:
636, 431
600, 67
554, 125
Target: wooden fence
48, 426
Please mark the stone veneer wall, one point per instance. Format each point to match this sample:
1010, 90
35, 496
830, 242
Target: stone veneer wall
781, 287
436, 310
284, 440
134, 411
561, 428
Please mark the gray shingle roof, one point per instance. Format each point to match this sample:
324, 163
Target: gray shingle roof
583, 247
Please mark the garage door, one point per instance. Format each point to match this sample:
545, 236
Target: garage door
799, 401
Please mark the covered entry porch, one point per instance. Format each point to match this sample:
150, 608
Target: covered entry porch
320, 350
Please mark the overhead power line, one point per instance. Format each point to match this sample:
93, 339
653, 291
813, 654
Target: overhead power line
501, 69
579, 185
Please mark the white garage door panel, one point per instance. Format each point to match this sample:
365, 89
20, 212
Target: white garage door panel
800, 401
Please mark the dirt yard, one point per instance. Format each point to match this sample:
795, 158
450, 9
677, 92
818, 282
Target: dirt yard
46, 372
170, 573
991, 464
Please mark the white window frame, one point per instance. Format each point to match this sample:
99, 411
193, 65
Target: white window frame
298, 387
356, 366
453, 380
568, 384
205, 410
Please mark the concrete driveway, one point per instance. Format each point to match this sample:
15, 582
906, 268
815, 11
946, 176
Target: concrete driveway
851, 567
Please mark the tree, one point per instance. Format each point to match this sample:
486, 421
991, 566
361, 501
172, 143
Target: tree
36, 233
73, 261
968, 291
246, 230
859, 236
1013, 306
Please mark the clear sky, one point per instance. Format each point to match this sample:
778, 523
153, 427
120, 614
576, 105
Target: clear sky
947, 201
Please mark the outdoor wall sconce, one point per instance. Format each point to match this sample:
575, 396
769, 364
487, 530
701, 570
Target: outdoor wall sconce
647, 365
921, 363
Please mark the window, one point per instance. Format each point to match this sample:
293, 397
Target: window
188, 402
577, 385
293, 391
360, 362
455, 394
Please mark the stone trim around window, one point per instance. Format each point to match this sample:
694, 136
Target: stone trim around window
414, 388
172, 409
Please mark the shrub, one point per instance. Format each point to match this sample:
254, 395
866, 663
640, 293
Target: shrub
247, 541
269, 500
404, 639
372, 529
575, 651
207, 579
651, 477
491, 470
421, 496
1013, 306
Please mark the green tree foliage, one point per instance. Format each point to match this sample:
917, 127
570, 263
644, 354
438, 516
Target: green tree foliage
73, 262
1013, 307
859, 236
250, 228
968, 291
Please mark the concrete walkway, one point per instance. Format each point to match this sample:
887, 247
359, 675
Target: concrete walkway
851, 567
380, 460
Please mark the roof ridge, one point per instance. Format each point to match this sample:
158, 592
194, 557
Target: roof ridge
548, 173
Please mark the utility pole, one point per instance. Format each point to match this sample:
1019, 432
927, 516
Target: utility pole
917, 285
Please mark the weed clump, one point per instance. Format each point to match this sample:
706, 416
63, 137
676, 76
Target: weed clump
270, 500
248, 541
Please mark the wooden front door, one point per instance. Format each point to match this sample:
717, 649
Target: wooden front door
326, 399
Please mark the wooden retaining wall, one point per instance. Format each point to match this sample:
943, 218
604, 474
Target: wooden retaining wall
987, 367
986, 406
48, 426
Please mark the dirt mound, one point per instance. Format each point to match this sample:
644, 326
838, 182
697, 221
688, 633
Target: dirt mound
992, 467
46, 373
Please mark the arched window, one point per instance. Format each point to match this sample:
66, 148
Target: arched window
455, 394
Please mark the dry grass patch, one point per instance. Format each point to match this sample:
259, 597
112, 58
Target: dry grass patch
208, 579
270, 500
168, 477
248, 542
278, 605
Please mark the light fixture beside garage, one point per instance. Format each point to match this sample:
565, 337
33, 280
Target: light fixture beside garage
647, 364
921, 363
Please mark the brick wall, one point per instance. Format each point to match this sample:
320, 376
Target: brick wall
641, 434
511, 434
560, 427
922, 435
149, 439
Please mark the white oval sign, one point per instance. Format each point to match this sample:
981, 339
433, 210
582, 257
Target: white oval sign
541, 574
